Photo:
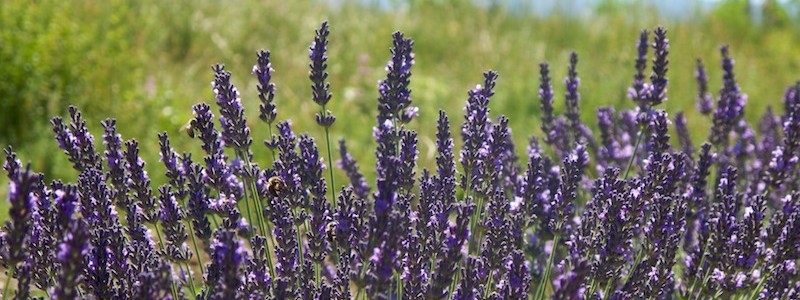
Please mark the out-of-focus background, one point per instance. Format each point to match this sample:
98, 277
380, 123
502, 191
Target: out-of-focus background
146, 62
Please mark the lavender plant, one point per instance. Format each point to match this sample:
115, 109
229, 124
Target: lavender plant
628, 216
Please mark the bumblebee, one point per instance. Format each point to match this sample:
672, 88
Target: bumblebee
189, 129
275, 186
330, 229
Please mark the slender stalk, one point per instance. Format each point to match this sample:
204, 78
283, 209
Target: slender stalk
161, 244
456, 278
399, 286
592, 287
636, 263
246, 203
269, 127
607, 290
474, 226
7, 286
191, 279
196, 250
635, 150
542, 285
330, 165
488, 286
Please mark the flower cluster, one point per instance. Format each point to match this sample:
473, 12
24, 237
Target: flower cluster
624, 216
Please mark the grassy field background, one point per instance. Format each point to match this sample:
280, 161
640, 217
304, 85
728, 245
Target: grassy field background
147, 62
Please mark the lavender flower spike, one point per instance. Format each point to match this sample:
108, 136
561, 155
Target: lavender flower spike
235, 132
704, 101
266, 89
546, 101
395, 95
320, 89
659, 77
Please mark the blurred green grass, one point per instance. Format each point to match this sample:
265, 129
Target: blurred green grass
147, 62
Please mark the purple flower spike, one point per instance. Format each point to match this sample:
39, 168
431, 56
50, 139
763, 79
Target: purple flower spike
546, 101
139, 182
226, 267
659, 77
730, 103
320, 89
445, 165
562, 206
266, 89
573, 98
71, 256
704, 102
360, 186
235, 132
639, 89
395, 94
22, 197
171, 217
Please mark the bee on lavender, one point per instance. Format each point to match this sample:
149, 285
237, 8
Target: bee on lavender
275, 186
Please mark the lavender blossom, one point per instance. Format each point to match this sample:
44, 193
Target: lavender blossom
139, 182
658, 94
475, 133
115, 160
395, 95
639, 89
730, 104
312, 172
684, 138
572, 96
175, 172
235, 132
562, 206
445, 166
320, 90
198, 203
171, 217
23, 204
73, 250
347, 163
546, 101
225, 270
703, 99
453, 242
266, 89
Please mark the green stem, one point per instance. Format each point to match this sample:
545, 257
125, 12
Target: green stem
636, 263
246, 203
543, 284
399, 286
196, 250
161, 244
456, 278
488, 286
269, 127
191, 279
358, 294
635, 150
592, 287
607, 290
7, 286
330, 167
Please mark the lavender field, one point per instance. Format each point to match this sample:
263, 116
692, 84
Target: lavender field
643, 183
